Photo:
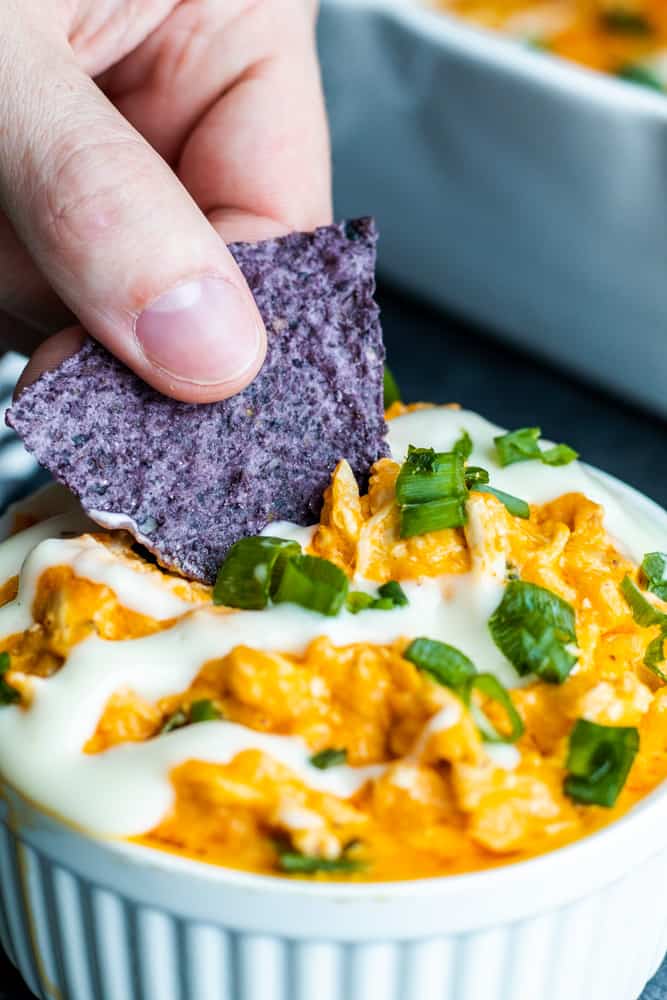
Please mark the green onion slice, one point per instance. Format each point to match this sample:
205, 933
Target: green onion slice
622, 21
464, 446
537, 42
394, 592
533, 627
647, 615
654, 568
515, 506
383, 604
522, 445
302, 864
8, 694
518, 446
176, 720
358, 600
474, 476
331, 757
313, 583
559, 454
453, 669
654, 656
420, 518
491, 687
643, 612
248, 573
445, 664
642, 75
429, 475
392, 394
204, 710
391, 595
599, 761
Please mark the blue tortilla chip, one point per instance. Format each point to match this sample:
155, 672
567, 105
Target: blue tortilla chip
189, 480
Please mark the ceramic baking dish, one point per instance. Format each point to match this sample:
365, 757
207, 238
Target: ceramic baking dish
520, 190
87, 919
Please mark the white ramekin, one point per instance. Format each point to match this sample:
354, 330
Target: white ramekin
100, 920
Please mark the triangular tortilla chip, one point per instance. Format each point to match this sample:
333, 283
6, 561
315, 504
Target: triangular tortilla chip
189, 480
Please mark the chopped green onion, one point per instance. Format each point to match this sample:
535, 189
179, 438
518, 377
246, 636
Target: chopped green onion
625, 22
537, 43
655, 656
515, 506
518, 446
491, 687
331, 757
533, 628
646, 614
475, 476
203, 710
432, 487
302, 864
382, 604
445, 664
394, 592
599, 761
423, 459
420, 518
428, 475
312, 583
391, 596
559, 454
453, 669
643, 612
635, 73
392, 394
464, 446
654, 568
176, 720
8, 694
246, 576
431, 491
358, 600
522, 445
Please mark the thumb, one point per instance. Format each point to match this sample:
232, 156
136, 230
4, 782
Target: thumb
115, 233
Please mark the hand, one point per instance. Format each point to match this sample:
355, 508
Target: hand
137, 137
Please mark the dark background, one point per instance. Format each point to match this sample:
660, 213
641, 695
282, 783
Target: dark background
441, 359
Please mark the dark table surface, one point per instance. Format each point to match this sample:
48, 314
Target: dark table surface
440, 359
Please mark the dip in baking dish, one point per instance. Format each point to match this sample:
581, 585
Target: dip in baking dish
460, 669
624, 37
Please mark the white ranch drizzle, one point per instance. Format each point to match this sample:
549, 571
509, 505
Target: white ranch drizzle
127, 791
14, 550
142, 592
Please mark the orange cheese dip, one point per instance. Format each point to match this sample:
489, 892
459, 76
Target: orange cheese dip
439, 801
608, 35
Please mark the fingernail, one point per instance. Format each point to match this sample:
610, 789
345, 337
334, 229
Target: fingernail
203, 331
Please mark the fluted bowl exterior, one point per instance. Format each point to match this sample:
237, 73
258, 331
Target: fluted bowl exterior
86, 921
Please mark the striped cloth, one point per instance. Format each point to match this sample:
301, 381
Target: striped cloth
19, 473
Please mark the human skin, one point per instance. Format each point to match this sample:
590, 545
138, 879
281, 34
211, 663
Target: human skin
138, 137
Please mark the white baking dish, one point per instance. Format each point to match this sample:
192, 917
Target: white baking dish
103, 920
523, 191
